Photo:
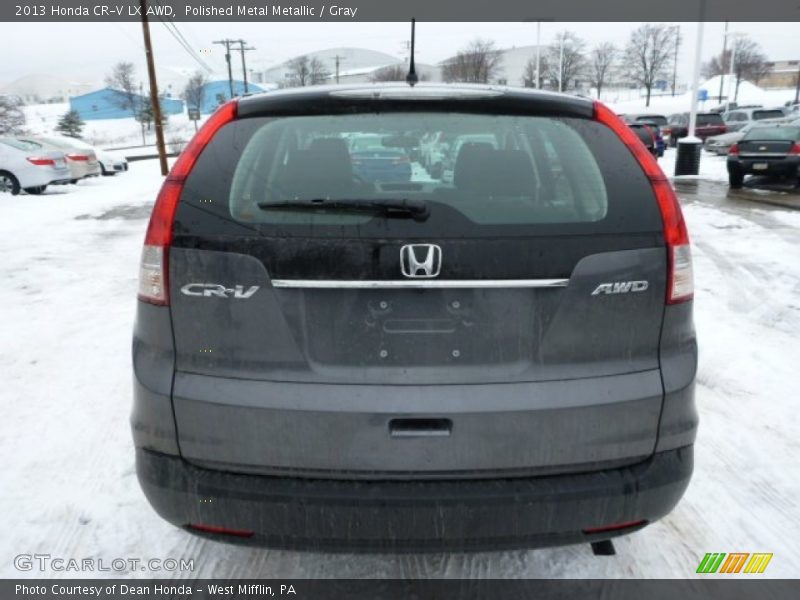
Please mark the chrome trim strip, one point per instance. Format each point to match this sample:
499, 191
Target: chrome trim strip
417, 284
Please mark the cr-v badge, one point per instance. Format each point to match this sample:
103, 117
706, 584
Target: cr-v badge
421, 260
620, 287
209, 290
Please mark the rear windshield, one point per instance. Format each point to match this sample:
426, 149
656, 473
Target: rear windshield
657, 119
786, 134
710, 119
481, 173
759, 115
20, 144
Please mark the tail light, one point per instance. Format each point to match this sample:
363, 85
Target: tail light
795, 149
680, 279
734, 150
41, 161
614, 527
154, 265
78, 157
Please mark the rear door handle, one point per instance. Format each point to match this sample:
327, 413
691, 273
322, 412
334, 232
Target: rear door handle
420, 427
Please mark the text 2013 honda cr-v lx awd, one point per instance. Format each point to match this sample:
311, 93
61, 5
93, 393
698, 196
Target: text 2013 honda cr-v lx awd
336, 350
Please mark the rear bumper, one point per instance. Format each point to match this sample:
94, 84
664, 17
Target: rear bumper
316, 514
786, 167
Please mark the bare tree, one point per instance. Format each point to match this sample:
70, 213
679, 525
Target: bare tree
304, 71
648, 54
195, 91
298, 75
749, 63
602, 60
390, 73
566, 67
12, 117
479, 62
317, 72
122, 79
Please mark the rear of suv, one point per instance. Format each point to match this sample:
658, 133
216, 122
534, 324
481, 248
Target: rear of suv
327, 362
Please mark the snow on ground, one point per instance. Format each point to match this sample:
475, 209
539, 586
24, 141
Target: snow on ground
712, 167
107, 133
70, 261
622, 102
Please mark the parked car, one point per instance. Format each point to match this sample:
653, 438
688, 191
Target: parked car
108, 163
25, 166
772, 151
647, 133
738, 118
721, 144
707, 124
655, 132
82, 162
328, 364
659, 120
729, 106
384, 165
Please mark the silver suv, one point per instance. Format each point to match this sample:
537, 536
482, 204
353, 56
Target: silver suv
502, 359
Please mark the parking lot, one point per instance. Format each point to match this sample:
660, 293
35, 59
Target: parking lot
70, 269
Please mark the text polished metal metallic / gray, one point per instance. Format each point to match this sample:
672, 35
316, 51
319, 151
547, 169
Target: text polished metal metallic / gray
426, 267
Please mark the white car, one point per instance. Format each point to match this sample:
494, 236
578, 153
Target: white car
25, 166
81, 158
109, 164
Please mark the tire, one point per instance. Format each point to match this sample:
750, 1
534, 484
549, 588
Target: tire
36, 190
73, 181
8, 183
735, 180
105, 172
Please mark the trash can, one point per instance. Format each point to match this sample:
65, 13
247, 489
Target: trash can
688, 160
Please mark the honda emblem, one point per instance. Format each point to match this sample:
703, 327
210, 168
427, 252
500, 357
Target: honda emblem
421, 260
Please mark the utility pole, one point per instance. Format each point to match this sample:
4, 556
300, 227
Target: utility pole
227, 43
242, 49
722, 60
140, 102
797, 88
338, 58
675, 65
151, 72
561, 65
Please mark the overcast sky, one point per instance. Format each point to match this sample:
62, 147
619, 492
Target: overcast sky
85, 51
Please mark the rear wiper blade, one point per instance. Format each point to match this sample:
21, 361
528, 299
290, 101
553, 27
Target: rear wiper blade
415, 209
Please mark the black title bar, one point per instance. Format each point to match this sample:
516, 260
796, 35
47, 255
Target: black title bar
402, 10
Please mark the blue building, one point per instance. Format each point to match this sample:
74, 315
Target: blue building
105, 104
218, 92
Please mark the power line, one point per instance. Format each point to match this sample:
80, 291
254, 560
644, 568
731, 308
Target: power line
182, 41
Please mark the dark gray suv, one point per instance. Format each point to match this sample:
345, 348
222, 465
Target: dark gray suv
325, 360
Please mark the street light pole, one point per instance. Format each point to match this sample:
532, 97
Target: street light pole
732, 76
722, 61
561, 66
538, 51
696, 76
